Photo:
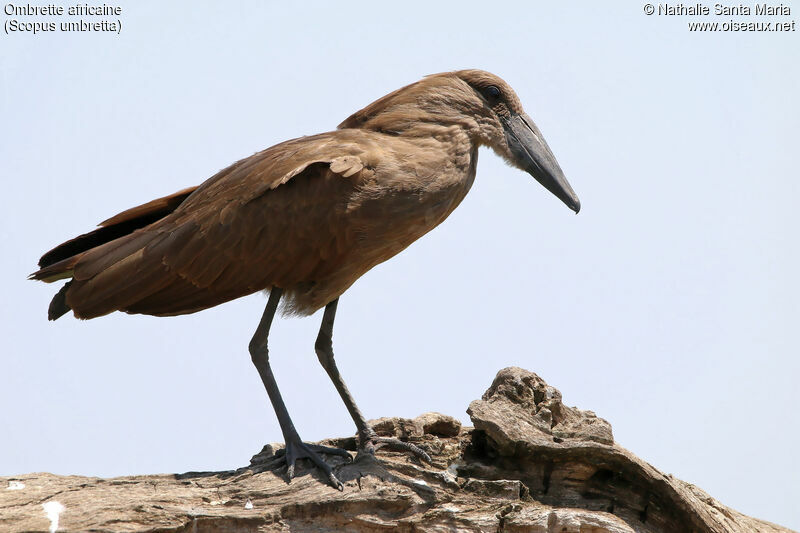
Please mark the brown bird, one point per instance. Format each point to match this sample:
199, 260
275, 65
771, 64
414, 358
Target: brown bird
304, 220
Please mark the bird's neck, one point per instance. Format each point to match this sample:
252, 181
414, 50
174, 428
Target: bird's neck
419, 123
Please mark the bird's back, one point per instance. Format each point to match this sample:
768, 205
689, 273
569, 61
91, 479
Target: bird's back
309, 215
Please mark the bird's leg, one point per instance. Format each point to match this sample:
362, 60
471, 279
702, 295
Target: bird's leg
295, 447
369, 441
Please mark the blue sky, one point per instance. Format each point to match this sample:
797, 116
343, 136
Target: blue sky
669, 305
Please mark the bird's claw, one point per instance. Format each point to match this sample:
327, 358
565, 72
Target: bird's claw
373, 442
301, 450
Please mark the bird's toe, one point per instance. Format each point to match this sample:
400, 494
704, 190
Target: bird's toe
330, 451
301, 450
402, 446
372, 442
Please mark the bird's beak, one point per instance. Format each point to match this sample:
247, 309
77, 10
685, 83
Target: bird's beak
532, 154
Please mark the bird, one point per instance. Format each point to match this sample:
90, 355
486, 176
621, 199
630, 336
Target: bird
302, 221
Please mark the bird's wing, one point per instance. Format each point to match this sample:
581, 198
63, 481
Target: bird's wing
269, 220
153, 209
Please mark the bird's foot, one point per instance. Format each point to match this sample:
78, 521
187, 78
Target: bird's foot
371, 441
297, 449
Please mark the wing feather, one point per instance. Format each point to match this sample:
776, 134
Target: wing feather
277, 218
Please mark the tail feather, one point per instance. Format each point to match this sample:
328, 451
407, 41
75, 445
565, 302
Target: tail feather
90, 254
93, 239
58, 305
117, 226
120, 277
56, 271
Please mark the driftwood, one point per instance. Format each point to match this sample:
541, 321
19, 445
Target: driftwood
529, 464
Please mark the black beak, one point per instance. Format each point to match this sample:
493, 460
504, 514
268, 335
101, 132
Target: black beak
532, 154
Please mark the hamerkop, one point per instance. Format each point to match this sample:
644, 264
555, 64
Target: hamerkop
304, 220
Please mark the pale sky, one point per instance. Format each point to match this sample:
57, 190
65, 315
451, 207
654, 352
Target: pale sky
669, 305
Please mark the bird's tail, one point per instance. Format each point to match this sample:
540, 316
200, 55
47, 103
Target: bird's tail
59, 263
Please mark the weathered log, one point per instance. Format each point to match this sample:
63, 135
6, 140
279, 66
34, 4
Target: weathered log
530, 464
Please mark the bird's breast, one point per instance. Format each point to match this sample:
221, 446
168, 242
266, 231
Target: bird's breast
391, 205
405, 200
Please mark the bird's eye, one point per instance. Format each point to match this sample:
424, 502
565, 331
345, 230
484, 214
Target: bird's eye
492, 92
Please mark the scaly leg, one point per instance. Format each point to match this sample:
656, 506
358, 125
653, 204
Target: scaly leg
295, 447
368, 439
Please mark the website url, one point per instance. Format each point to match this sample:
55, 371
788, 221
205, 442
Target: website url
742, 26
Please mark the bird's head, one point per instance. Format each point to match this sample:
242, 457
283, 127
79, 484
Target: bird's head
485, 107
